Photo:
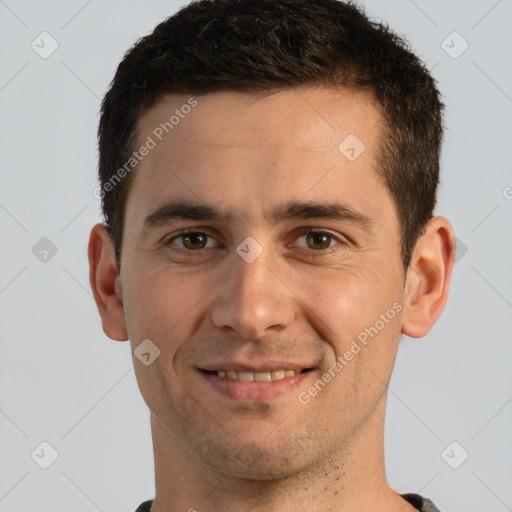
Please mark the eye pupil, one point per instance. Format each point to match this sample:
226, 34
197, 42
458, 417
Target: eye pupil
319, 239
193, 239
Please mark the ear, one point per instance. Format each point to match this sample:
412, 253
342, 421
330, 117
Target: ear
428, 278
105, 284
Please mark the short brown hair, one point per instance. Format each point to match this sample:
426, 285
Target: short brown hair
261, 46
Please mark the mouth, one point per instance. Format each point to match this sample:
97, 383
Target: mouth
254, 384
259, 376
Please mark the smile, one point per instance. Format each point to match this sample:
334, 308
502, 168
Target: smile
264, 376
255, 386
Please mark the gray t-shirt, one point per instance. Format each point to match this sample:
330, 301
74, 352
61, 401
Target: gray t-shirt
422, 504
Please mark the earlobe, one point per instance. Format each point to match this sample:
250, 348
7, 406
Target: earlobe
428, 278
104, 280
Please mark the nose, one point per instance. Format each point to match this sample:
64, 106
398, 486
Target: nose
253, 300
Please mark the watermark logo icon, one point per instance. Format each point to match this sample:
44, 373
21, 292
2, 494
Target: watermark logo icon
146, 352
352, 147
44, 45
249, 249
44, 455
454, 455
454, 45
462, 249
44, 250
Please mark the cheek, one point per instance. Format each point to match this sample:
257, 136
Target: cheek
160, 304
362, 327
361, 307
340, 300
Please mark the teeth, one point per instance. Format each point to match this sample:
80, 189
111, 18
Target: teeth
277, 375
257, 376
263, 376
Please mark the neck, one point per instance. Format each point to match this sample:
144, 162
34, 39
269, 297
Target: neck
352, 480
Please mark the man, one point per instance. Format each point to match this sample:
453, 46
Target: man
269, 171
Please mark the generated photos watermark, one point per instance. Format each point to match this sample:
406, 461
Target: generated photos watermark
361, 341
150, 143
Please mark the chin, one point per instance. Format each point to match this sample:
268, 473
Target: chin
254, 461
262, 469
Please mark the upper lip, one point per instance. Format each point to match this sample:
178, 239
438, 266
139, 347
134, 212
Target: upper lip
232, 366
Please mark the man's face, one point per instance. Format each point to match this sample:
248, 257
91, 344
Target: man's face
212, 303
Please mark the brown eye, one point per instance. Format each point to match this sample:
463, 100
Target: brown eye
318, 240
319, 243
192, 241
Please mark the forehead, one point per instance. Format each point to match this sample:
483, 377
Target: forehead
240, 150
306, 118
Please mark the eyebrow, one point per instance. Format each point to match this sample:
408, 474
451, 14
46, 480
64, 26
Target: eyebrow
186, 210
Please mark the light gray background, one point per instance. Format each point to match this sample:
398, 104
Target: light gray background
64, 382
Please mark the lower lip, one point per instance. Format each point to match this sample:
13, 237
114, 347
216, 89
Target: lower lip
255, 391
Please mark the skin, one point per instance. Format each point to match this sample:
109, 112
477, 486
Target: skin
298, 302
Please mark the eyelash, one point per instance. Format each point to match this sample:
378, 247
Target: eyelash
305, 231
